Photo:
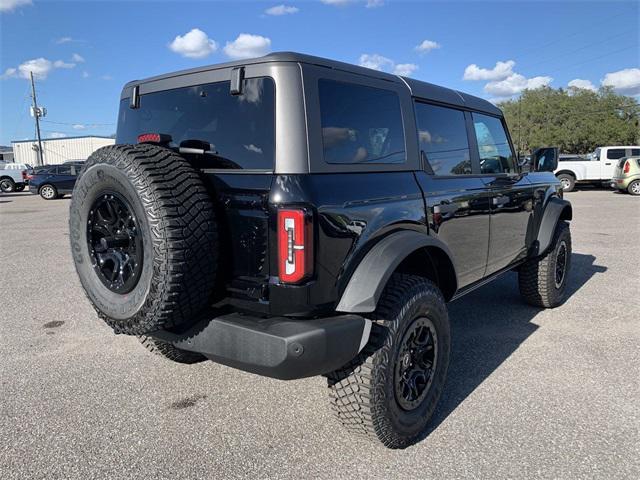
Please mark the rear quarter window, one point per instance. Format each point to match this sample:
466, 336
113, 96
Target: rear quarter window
241, 128
360, 124
615, 153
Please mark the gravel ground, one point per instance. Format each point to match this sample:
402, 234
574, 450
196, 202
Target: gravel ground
531, 393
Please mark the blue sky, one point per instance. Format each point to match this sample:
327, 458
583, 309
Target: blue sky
84, 51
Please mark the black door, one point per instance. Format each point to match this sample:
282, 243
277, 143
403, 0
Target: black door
458, 201
511, 193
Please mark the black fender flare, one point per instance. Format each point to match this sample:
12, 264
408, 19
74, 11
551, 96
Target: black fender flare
370, 277
556, 209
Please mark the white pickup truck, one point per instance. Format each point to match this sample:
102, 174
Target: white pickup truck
596, 168
13, 177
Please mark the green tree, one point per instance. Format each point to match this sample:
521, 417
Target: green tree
575, 120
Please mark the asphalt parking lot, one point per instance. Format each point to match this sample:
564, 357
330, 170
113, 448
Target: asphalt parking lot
530, 394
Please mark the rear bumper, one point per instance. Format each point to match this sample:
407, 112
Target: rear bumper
276, 347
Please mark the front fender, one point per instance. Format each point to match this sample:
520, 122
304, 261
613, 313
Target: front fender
556, 209
370, 277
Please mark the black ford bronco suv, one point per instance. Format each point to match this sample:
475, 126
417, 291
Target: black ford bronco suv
295, 216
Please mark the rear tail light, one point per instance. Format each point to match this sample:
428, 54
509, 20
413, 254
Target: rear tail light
24, 175
158, 138
626, 167
295, 245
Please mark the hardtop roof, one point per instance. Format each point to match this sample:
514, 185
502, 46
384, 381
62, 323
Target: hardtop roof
425, 90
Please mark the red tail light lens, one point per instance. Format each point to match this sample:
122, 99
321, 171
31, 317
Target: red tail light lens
626, 167
159, 138
24, 175
295, 245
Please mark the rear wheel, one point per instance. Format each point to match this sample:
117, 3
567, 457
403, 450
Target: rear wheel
143, 238
48, 192
543, 281
390, 391
634, 187
170, 352
7, 185
568, 182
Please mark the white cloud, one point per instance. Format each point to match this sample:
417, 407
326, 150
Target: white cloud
248, 46
514, 84
11, 5
41, 68
501, 71
626, 82
427, 45
338, 3
77, 58
582, 84
62, 40
85, 74
252, 148
62, 64
79, 126
405, 69
374, 3
375, 61
384, 64
57, 135
281, 10
194, 44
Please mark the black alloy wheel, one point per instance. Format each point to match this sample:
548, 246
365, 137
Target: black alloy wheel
115, 242
416, 363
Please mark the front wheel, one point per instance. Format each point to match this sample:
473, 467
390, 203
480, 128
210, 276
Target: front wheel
390, 391
634, 187
543, 280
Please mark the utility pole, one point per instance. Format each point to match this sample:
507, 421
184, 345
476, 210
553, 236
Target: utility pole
36, 114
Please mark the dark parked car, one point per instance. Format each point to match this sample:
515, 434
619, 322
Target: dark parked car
54, 181
317, 231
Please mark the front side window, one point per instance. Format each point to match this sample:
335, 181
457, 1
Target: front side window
495, 152
239, 128
615, 153
442, 133
360, 124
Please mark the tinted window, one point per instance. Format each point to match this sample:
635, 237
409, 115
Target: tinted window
64, 170
360, 124
635, 152
615, 153
571, 159
240, 127
493, 146
443, 139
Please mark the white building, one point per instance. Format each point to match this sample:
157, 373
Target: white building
58, 150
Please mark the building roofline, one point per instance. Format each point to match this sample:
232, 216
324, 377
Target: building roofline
62, 138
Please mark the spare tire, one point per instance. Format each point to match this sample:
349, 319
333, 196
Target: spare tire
143, 238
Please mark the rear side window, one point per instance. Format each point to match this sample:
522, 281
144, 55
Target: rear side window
615, 153
495, 152
443, 139
635, 152
241, 128
64, 169
360, 124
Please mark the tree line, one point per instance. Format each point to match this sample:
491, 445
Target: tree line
575, 120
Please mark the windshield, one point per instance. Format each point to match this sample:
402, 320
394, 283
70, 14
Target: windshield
239, 128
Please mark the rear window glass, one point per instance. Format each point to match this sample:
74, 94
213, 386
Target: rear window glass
615, 153
240, 128
360, 124
442, 133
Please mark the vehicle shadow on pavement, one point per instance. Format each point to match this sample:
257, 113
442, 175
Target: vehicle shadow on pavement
487, 326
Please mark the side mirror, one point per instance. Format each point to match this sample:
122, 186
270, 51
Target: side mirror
545, 159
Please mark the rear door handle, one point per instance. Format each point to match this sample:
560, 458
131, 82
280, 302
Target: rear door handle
608, 163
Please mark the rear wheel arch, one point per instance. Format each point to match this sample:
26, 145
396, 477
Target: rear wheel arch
406, 252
